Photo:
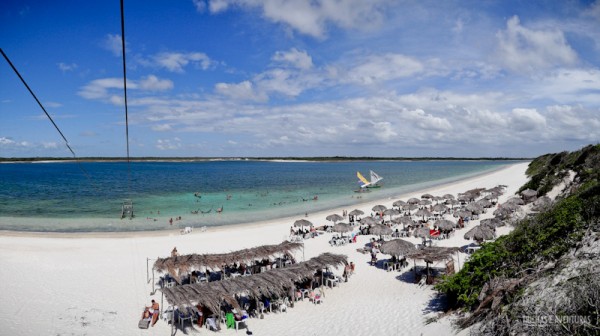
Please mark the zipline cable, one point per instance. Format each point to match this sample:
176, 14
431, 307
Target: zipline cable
46, 112
125, 94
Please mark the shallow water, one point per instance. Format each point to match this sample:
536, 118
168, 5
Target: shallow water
247, 190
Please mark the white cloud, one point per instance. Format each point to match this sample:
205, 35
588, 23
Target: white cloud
113, 43
99, 88
527, 120
177, 61
200, 5
526, 50
294, 57
6, 141
378, 68
52, 104
313, 17
168, 144
49, 145
569, 86
64, 67
153, 83
162, 127
240, 91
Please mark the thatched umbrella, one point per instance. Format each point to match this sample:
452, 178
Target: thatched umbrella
515, 200
302, 222
379, 208
439, 208
423, 212
398, 203
510, 206
484, 203
480, 233
475, 208
502, 213
542, 203
380, 230
356, 212
491, 222
369, 221
397, 247
334, 218
427, 196
432, 254
444, 224
448, 196
424, 202
452, 202
404, 220
342, 227
410, 207
413, 200
422, 232
529, 193
463, 213
437, 198
391, 212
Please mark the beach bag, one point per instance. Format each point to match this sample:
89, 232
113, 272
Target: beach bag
144, 324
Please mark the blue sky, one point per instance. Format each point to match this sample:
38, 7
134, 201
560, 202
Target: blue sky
302, 78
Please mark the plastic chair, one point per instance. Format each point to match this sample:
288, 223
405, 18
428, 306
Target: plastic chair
183, 317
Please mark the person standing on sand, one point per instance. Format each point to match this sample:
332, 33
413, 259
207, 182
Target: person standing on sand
171, 221
174, 253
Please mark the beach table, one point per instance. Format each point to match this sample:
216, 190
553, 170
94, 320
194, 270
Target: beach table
332, 282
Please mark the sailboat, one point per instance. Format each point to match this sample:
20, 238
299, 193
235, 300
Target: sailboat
373, 183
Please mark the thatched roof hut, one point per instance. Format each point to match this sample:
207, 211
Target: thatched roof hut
271, 283
356, 212
342, 227
379, 229
480, 233
369, 221
302, 222
185, 263
334, 218
397, 247
433, 253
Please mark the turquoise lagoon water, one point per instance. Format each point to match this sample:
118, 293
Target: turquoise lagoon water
59, 197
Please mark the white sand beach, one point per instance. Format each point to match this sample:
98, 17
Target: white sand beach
96, 284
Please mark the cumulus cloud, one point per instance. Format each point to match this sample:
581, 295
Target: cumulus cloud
177, 61
168, 144
526, 50
52, 104
240, 91
99, 88
312, 17
162, 127
378, 68
113, 43
295, 58
527, 120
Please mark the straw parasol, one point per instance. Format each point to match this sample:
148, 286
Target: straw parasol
342, 227
510, 206
356, 212
398, 203
369, 221
463, 213
437, 198
424, 202
542, 203
422, 232
403, 221
334, 218
380, 230
480, 233
427, 196
491, 222
397, 247
484, 203
529, 193
302, 222
423, 212
410, 207
452, 202
502, 213
413, 200
444, 224
439, 208
475, 208
379, 208
448, 196
391, 212
515, 200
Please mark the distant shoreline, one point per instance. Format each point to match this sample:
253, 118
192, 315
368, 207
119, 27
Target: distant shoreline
261, 159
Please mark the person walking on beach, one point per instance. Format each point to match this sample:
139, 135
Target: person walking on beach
171, 221
174, 253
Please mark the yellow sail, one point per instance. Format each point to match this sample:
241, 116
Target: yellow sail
362, 179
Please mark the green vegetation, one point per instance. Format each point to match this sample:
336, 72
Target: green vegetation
538, 240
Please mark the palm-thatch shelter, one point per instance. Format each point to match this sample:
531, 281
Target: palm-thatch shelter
423, 212
492, 223
480, 233
541, 203
399, 203
369, 221
391, 212
529, 194
397, 247
422, 233
413, 200
432, 254
334, 218
379, 208
464, 213
272, 283
427, 196
439, 208
380, 230
356, 212
444, 224
302, 222
179, 265
342, 228
448, 196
